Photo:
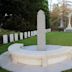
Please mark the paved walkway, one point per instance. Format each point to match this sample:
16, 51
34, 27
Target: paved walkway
6, 63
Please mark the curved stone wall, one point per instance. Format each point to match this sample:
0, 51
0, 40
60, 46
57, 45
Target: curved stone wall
42, 58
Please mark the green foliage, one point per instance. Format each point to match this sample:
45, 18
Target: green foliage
5, 31
67, 70
3, 70
24, 13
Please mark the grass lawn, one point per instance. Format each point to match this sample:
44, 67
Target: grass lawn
3, 70
68, 70
55, 38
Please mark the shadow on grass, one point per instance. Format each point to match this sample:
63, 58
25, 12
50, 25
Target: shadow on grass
3, 70
68, 70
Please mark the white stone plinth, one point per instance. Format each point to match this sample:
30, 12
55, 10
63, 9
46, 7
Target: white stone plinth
6, 63
68, 29
30, 56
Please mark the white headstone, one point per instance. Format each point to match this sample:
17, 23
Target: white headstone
5, 39
61, 23
69, 24
41, 41
21, 36
16, 36
48, 30
31, 33
28, 33
25, 34
11, 37
35, 32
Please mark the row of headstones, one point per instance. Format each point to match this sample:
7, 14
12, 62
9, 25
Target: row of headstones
16, 36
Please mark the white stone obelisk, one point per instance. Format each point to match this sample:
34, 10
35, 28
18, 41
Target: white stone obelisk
41, 41
69, 24
61, 23
69, 28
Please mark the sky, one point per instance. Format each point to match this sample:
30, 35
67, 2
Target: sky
53, 1
56, 1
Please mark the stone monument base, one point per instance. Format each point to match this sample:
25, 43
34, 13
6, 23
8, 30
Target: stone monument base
68, 30
29, 55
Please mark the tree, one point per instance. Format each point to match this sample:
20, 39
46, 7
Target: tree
55, 17
24, 13
58, 12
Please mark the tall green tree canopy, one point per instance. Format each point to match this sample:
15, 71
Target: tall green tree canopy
22, 14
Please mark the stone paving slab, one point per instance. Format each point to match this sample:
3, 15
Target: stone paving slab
6, 63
